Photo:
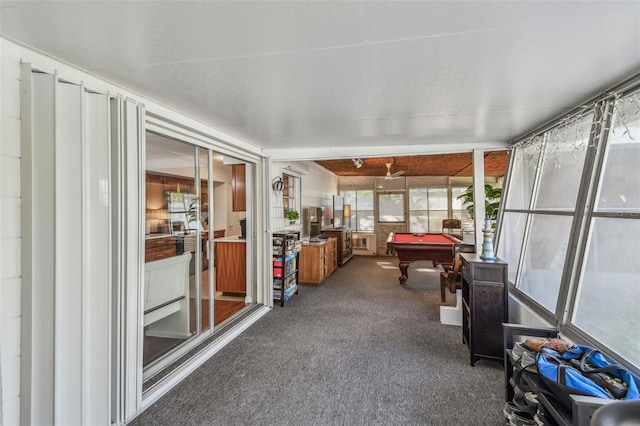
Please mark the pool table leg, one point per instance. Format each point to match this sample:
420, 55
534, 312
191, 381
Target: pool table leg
403, 270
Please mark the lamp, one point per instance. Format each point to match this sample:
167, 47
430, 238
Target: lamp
357, 162
158, 214
155, 219
347, 214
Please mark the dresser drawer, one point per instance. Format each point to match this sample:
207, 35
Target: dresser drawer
489, 274
159, 242
159, 248
159, 253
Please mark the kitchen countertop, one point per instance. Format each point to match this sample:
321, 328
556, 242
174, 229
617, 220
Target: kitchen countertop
231, 239
157, 236
318, 242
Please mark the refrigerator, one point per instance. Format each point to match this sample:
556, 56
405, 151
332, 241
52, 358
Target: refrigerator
314, 220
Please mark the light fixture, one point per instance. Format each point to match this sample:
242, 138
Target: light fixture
357, 162
277, 184
347, 214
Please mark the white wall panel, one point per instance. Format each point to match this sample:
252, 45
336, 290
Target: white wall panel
10, 308
11, 408
10, 176
11, 104
27, 287
10, 280
10, 246
10, 339
96, 259
10, 59
68, 257
128, 176
11, 261
67, 253
318, 187
10, 214
11, 366
10, 134
38, 230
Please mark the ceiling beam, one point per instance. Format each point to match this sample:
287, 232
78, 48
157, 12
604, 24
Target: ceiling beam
331, 153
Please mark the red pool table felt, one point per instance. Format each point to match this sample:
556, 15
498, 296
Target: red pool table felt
423, 238
417, 246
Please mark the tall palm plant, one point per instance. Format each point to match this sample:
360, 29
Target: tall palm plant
492, 197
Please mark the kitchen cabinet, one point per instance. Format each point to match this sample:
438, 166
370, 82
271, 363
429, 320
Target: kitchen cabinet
345, 247
238, 188
155, 192
317, 261
231, 265
157, 248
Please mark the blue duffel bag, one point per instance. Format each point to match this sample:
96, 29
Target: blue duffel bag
583, 370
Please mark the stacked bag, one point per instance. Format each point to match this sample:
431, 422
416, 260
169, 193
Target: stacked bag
565, 369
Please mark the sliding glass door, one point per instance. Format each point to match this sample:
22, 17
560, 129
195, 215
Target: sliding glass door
194, 254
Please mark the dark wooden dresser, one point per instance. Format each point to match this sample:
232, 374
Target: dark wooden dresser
485, 293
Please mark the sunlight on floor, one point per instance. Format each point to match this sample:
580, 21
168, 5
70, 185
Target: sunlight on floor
427, 269
394, 265
387, 265
205, 289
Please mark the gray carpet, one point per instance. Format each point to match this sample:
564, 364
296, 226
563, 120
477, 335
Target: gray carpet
357, 350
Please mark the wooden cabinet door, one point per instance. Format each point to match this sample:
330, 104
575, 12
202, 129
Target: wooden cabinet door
309, 266
231, 271
238, 188
155, 195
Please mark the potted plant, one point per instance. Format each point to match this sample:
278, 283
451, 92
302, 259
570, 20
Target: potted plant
292, 215
491, 201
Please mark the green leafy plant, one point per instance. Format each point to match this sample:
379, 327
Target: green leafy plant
192, 211
291, 214
492, 197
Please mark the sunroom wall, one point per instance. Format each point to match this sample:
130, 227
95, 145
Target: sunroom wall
12, 56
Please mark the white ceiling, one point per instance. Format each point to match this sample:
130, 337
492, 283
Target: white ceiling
346, 74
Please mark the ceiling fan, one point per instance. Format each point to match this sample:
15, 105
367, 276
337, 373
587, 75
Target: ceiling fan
393, 175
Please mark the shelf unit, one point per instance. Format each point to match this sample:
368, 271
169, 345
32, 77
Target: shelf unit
285, 266
485, 293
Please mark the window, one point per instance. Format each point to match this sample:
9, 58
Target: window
458, 209
427, 208
391, 207
611, 263
571, 225
511, 242
523, 174
550, 219
361, 202
290, 193
544, 258
521, 180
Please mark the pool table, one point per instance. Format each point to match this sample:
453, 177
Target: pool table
438, 248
